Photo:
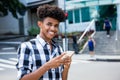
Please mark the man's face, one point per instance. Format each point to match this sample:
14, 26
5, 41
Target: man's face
49, 28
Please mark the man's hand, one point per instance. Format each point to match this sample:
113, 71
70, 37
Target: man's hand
67, 58
56, 62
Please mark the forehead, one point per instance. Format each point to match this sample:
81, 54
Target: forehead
50, 20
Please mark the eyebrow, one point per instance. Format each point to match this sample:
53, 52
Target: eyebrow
52, 23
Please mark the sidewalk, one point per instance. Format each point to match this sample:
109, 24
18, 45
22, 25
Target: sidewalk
98, 57
12, 39
109, 58
7, 37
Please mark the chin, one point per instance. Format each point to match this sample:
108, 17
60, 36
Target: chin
50, 37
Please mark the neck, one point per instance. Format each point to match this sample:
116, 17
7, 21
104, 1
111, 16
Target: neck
47, 40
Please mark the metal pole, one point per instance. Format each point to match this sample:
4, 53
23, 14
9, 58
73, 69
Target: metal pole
66, 45
116, 30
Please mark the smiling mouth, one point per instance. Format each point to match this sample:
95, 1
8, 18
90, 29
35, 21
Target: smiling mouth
52, 33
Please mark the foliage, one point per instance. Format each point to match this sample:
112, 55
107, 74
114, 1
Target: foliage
13, 6
107, 11
33, 31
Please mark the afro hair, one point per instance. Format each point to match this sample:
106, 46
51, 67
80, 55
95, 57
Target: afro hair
50, 11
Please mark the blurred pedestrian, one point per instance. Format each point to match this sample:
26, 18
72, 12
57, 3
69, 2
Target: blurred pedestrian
75, 45
107, 26
41, 57
91, 46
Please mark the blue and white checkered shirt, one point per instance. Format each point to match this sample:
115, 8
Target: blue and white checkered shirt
35, 53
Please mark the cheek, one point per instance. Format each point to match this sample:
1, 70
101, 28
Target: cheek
57, 29
46, 28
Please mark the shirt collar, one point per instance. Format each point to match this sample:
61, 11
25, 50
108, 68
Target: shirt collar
43, 42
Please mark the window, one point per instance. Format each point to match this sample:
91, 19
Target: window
77, 15
67, 0
70, 17
85, 14
74, 15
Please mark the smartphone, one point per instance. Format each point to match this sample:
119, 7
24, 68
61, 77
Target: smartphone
68, 53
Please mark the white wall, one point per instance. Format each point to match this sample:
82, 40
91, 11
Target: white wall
118, 16
27, 22
61, 4
76, 27
11, 24
8, 24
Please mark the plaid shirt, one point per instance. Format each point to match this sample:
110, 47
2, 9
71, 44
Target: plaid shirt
36, 52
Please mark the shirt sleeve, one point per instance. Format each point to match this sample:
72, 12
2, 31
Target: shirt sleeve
24, 64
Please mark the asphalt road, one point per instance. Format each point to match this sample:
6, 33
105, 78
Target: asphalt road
79, 70
7, 66
92, 70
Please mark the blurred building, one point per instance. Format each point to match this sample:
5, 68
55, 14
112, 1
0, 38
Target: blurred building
9, 24
80, 13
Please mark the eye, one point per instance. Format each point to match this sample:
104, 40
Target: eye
49, 24
56, 25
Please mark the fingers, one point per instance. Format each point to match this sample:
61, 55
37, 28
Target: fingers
63, 59
60, 56
60, 60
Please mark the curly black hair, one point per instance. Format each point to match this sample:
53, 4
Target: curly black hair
50, 11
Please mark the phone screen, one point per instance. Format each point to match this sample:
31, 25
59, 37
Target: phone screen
68, 53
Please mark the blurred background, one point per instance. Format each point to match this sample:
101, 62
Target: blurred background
18, 23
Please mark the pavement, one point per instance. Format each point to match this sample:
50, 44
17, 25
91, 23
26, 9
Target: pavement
108, 58
7, 37
80, 56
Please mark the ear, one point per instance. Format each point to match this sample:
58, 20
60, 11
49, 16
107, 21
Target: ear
39, 24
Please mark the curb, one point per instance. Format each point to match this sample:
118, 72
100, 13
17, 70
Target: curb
106, 60
11, 37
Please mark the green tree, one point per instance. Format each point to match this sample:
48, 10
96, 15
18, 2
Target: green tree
107, 11
13, 6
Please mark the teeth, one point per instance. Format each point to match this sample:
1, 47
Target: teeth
51, 33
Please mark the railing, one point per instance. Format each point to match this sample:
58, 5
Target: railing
83, 42
86, 30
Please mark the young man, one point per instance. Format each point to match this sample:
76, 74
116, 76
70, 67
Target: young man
41, 58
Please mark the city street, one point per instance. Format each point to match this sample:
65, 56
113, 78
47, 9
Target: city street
79, 70
91, 70
7, 64
70, 23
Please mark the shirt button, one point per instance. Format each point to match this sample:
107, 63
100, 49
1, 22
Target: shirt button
53, 69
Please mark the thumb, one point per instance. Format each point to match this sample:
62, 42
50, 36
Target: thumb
61, 55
